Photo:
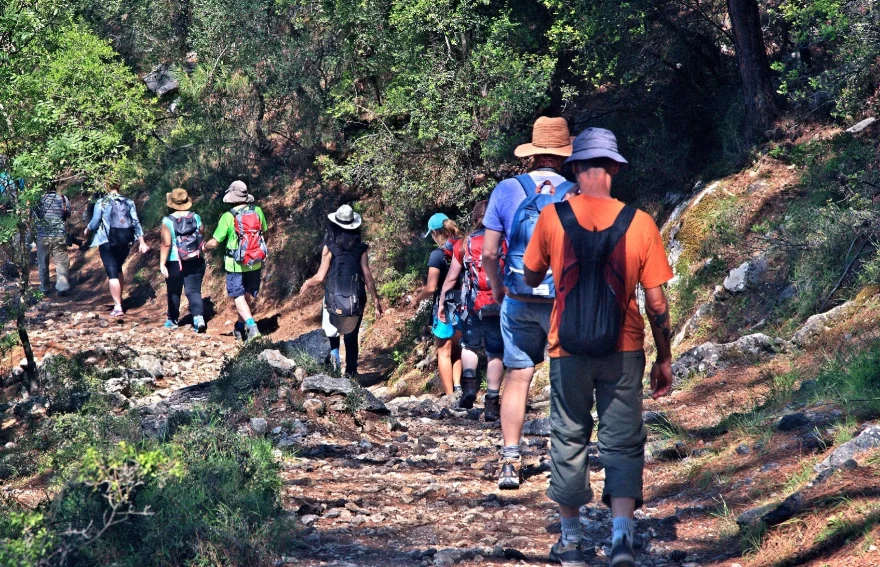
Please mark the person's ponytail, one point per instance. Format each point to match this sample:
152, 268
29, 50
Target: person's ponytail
451, 230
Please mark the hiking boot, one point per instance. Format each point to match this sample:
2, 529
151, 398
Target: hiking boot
468, 392
238, 332
622, 554
253, 333
509, 478
170, 324
492, 410
567, 554
199, 325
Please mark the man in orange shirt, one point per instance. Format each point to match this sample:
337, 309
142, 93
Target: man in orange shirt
599, 250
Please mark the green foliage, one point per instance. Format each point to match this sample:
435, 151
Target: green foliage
241, 375
850, 378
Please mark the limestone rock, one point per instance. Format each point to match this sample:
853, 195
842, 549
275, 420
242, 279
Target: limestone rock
259, 425
868, 439
151, 365
327, 385
708, 358
161, 81
859, 126
793, 421
314, 344
278, 361
736, 281
540, 427
313, 405
817, 325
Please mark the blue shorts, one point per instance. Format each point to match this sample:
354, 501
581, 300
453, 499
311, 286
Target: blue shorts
238, 284
524, 327
478, 332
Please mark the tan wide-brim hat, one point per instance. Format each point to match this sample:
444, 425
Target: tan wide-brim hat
550, 136
237, 193
178, 200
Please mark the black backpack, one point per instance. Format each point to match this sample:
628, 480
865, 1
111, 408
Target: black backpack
590, 302
345, 291
121, 230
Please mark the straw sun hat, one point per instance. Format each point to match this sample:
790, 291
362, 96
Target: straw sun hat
178, 200
550, 136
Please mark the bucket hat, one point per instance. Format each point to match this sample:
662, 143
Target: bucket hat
595, 143
435, 223
550, 136
237, 193
178, 200
345, 217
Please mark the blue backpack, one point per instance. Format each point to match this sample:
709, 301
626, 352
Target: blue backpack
524, 221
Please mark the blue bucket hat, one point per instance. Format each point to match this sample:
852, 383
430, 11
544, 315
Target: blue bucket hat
435, 223
595, 143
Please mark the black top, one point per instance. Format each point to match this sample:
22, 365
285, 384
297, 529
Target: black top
439, 260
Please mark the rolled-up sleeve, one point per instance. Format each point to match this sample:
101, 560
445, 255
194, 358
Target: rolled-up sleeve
96, 217
135, 221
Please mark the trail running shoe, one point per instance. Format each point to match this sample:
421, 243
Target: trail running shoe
567, 554
492, 410
199, 325
253, 333
238, 332
509, 478
170, 324
117, 312
622, 554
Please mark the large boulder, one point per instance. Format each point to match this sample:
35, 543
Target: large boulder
708, 358
161, 81
321, 383
817, 325
868, 439
315, 345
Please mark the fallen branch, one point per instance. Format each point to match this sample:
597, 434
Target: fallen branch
845, 272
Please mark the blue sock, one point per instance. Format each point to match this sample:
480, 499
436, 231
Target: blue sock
250, 322
239, 325
571, 530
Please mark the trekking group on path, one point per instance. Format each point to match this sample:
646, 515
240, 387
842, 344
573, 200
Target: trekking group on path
549, 266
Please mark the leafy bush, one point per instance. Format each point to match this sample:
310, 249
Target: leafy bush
241, 375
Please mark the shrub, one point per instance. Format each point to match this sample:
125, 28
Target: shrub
241, 375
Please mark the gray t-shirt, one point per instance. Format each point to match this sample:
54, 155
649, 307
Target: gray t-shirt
506, 198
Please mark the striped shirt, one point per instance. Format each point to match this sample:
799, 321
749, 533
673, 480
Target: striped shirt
50, 215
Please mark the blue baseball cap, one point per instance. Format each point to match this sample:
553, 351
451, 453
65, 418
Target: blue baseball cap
435, 223
595, 143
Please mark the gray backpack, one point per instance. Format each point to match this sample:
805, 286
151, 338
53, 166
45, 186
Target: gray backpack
121, 230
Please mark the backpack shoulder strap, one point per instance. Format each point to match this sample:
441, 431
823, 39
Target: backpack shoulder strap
622, 222
563, 188
527, 183
566, 217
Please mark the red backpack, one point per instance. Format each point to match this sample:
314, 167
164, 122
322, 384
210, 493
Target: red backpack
476, 289
249, 229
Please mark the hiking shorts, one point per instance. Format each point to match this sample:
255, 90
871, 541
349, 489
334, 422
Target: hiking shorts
113, 257
241, 283
478, 332
524, 328
616, 382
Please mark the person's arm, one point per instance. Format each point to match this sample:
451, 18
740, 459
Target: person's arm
491, 263
429, 289
657, 309
448, 285
96, 219
164, 250
371, 285
220, 234
318, 278
138, 229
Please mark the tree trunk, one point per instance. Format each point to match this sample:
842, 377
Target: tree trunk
24, 267
754, 68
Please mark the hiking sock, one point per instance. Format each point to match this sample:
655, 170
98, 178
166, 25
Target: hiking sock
571, 530
250, 322
621, 527
492, 392
456, 389
510, 452
239, 326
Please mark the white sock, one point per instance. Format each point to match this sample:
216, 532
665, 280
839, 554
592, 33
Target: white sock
571, 530
622, 527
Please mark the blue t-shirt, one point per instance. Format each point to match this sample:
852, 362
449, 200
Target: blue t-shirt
172, 255
506, 198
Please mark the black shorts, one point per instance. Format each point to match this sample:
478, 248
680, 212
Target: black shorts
113, 257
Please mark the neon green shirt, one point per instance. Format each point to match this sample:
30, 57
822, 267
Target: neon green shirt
226, 233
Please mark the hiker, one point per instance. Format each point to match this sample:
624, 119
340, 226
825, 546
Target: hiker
599, 250
242, 229
525, 310
480, 316
180, 259
445, 233
345, 265
50, 221
116, 226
